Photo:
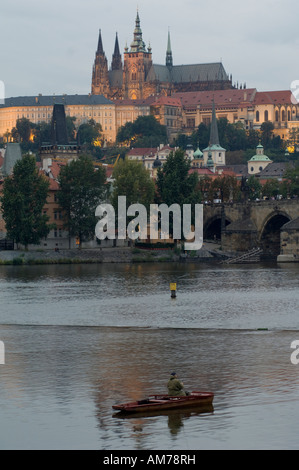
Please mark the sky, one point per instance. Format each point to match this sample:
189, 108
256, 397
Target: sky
48, 46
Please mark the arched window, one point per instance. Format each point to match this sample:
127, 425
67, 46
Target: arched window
289, 115
257, 116
276, 116
283, 115
266, 114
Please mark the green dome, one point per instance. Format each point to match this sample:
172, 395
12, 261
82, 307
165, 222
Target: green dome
198, 153
260, 158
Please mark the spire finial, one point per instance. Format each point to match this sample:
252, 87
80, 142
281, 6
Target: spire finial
169, 62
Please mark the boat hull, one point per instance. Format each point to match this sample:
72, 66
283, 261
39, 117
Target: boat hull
166, 402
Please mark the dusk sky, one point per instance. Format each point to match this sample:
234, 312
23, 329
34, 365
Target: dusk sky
49, 46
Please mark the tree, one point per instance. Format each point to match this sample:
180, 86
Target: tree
253, 138
201, 136
271, 188
24, 196
254, 188
226, 188
89, 132
81, 190
267, 133
174, 183
291, 177
22, 131
145, 131
132, 179
70, 126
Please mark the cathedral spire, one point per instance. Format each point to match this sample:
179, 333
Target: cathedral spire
168, 52
100, 49
116, 57
137, 45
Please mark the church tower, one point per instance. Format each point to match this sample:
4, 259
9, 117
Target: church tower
137, 63
100, 78
214, 154
116, 63
169, 62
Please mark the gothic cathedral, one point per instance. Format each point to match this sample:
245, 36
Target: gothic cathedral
138, 78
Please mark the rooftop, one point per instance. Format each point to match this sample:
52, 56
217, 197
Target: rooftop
50, 100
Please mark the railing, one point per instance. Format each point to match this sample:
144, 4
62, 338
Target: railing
250, 256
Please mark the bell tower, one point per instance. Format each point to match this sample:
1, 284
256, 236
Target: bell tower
137, 63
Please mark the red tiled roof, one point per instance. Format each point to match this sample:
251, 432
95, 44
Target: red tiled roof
142, 151
169, 100
273, 97
233, 97
54, 186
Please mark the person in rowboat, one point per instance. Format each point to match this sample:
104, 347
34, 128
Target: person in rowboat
175, 386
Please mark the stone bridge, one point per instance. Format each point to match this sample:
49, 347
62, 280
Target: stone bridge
243, 226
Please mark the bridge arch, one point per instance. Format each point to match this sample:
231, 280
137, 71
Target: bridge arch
213, 226
269, 237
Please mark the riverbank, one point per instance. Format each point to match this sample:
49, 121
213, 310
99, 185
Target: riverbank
209, 252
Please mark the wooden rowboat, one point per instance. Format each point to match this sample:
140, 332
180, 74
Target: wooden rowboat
166, 402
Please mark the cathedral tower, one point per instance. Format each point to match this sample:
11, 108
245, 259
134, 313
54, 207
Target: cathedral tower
116, 63
137, 63
100, 78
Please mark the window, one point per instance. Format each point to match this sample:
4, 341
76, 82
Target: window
257, 116
266, 115
276, 116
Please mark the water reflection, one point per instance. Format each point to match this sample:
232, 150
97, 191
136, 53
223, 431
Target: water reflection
79, 339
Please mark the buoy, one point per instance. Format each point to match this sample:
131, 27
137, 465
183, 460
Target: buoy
172, 286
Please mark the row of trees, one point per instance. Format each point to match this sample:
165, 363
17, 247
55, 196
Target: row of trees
233, 136
32, 136
146, 131
82, 189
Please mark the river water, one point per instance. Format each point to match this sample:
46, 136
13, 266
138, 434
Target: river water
80, 338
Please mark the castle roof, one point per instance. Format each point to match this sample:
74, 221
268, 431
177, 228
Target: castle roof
50, 100
274, 97
222, 98
187, 73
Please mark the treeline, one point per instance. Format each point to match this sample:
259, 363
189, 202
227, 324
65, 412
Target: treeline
32, 136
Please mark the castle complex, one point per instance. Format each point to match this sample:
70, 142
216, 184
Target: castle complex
137, 77
180, 97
